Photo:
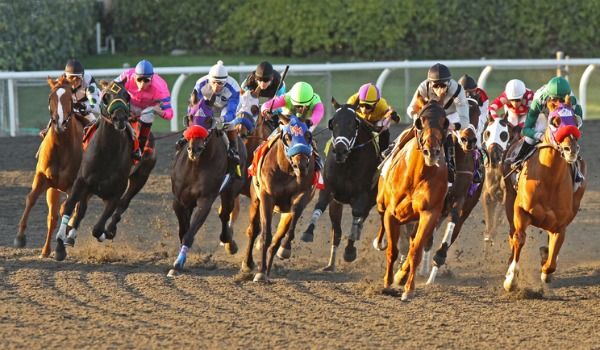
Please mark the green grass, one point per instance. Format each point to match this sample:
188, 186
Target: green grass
33, 100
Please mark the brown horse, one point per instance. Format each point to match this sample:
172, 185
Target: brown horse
58, 161
464, 193
497, 137
412, 187
283, 182
545, 195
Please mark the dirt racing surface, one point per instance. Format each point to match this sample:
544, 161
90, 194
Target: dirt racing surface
116, 295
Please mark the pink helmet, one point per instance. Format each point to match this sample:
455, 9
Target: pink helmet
369, 94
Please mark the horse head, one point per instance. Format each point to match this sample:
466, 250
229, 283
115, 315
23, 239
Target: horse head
248, 112
197, 138
563, 131
297, 141
467, 137
432, 126
60, 103
114, 104
344, 126
495, 141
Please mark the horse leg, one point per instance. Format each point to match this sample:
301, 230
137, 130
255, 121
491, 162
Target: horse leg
266, 216
439, 259
234, 213
335, 215
183, 215
425, 269
285, 250
325, 197
227, 206
392, 229
556, 240
52, 199
252, 232
38, 186
517, 241
489, 211
78, 198
427, 222
360, 211
276, 246
198, 217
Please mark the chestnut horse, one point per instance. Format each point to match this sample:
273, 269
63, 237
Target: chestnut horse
349, 173
58, 161
284, 181
412, 187
545, 196
197, 178
497, 137
106, 171
464, 193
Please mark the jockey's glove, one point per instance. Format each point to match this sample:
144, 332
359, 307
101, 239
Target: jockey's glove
395, 117
80, 108
539, 136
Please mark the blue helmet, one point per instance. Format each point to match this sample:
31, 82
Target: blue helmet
144, 69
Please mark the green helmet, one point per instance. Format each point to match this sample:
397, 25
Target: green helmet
558, 87
301, 93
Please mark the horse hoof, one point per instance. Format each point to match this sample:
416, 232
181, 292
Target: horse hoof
246, 268
70, 242
20, 242
284, 253
378, 246
102, 237
329, 268
261, 277
231, 247
350, 254
509, 285
308, 235
406, 296
546, 278
44, 254
172, 273
60, 253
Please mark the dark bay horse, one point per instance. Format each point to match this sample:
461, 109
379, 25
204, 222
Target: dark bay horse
284, 181
349, 173
497, 137
462, 196
412, 187
58, 161
197, 179
106, 171
545, 196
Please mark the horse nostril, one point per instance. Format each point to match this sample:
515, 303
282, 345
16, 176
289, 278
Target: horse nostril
426, 152
436, 152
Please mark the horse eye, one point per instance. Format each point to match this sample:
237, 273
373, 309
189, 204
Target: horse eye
504, 136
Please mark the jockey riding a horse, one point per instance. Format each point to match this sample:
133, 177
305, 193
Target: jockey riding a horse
85, 93
478, 94
375, 110
516, 99
149, 97
551, 94
213, 105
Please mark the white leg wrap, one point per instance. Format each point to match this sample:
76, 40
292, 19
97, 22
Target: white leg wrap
511, 274
448, 234
432, 276
62, 230
357, 224
425, 263
72, 234
315, 216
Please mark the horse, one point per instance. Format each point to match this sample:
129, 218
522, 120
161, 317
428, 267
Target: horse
462, 196
284, 181
412, 187
197, 178
544, 194
106, 171
497, 137
58, 161
349, 172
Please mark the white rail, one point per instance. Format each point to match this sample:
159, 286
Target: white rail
386, 66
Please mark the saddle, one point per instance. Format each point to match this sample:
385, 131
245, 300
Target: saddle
133, 130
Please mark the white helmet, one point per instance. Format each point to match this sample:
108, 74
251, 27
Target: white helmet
218, 72
515, 89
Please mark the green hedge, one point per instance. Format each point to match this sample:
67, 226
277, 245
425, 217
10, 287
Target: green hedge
361, 29
43, 34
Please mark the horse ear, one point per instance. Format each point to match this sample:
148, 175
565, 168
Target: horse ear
335, 103
568, 100
555, 121
419, 124
51, 82
330, 124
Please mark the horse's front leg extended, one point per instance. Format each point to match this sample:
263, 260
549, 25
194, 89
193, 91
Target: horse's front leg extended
52, 199
227, 206
78, 198
325, 197
556, 240
360, 211
266, 216
517, 241
285, 251
335, 216
38, 186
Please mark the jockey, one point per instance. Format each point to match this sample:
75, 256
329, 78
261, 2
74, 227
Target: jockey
149, 97
302, 101
516, 99
553, 92
85, 93
375, 110
479, 95
262, 82
440, 86
219, 95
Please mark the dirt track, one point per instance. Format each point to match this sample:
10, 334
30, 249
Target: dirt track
116, 294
